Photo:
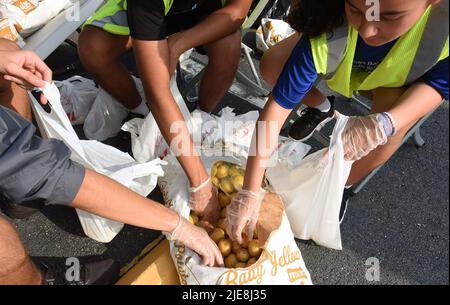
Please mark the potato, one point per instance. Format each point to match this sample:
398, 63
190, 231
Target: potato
224, 200
217, 235
235, 171
221, 224
223, 213
231, 261
193, 219
235, 247
225, 247
227, 186
251, 261
215, 181
241, 265
254, 249
222, 171
238, 182
242, 255
214, 171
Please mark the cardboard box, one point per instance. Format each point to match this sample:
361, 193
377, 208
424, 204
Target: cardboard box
153, 267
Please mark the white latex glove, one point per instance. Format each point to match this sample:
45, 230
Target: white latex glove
362, 135
198, 240
203, 201
243, 211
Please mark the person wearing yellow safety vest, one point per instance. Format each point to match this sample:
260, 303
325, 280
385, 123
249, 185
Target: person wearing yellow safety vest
400, 58
159, 31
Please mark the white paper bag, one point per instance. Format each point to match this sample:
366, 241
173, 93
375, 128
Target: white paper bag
107, 160
29, 16
312, 191
281, 262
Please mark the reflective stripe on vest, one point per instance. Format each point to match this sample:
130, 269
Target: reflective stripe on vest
424, 45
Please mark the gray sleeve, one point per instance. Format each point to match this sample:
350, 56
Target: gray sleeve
32, 168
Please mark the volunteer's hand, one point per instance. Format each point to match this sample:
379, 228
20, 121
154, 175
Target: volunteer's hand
243, 211
203, 201
362, 135
198, 240
175, 50
25, 69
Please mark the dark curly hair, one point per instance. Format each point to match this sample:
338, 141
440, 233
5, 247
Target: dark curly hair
316, 17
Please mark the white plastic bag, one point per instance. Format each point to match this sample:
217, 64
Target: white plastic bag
280, 264
105, 119
77, 96
29, 16
120, 166
312, 191
271, 32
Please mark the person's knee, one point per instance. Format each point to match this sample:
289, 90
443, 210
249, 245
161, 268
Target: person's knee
226, 52
94, 49
12, 252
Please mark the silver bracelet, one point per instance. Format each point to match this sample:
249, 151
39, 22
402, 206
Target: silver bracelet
393, 123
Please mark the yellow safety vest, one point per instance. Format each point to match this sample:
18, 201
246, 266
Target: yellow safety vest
113, 10
410, 58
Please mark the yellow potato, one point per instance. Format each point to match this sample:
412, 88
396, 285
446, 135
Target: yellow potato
221, 224
235, 247
214, 171
231, 261
236, 171
215, 181
238, 182
217, 235
222, 171
251, 261
241, 265
227, 186
224, 200
225, 247
243, 255
223, 213
254, 249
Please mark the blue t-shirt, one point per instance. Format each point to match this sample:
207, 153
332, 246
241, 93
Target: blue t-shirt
299, 73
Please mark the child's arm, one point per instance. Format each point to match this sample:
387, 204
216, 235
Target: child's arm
418, 101
244, 209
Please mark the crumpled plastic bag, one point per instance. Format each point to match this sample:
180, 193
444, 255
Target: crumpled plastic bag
271, 32
28, 16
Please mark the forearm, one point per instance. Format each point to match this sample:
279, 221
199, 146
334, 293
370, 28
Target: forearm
107, 198
415, 103
264, 142
153, 62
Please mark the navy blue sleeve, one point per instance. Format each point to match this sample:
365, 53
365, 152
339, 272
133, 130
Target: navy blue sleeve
298, 76
437, 78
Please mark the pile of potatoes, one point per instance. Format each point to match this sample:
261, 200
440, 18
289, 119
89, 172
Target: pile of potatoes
229, 179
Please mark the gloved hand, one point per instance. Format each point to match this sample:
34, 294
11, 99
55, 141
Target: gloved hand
198, 240
243, 211
362, 135
203, 201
